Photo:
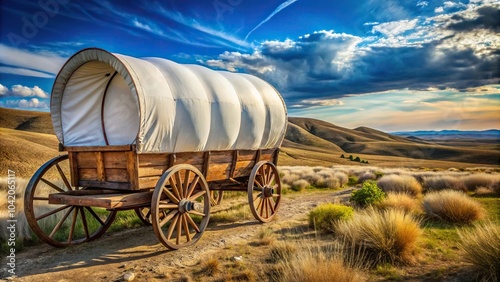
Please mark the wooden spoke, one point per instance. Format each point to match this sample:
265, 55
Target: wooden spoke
52, 185
186, 227
168, 206
172, 197
196, 213
193, 185
175, 189
84, 222
258, 196
59, 224
271, 205
197, 195
65, 180
179, 230
168, 217
72, 229
259, 204
172, 226
191, 222
92, 212
186, 183
179, 184
51, 213
259, 186
271, 179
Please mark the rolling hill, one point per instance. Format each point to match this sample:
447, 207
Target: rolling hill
27, 141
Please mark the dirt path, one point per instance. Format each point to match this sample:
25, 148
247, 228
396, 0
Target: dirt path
138, 251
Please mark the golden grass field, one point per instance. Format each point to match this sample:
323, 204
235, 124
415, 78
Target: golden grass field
423, 246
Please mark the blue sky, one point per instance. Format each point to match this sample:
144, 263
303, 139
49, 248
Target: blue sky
387, 64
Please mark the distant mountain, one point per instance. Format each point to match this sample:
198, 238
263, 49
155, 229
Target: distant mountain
492, 134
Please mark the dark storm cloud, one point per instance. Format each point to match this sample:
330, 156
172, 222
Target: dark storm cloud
489, 18
329, 65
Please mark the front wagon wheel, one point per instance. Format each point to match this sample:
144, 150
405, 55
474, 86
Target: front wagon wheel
61, 225
180, 207
264, 191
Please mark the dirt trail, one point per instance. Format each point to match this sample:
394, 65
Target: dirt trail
138, 250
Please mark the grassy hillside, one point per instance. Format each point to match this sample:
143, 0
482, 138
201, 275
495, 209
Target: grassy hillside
371, 142
26, 121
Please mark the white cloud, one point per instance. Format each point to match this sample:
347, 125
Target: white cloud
371, 23
27, 104
39, 62
25, 72
3, 90
438, 10
395, 28
422, 3
23, 91
319, 103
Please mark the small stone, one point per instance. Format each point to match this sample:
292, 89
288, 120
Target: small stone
129, 276
238, 258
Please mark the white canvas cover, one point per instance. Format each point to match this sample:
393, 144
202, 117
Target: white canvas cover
100, 98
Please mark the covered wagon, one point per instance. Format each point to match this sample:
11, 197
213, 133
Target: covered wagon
156, 136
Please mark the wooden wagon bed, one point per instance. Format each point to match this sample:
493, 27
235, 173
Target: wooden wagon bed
121, 167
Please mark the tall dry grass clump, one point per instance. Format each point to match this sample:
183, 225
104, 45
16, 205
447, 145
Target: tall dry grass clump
452, 206
401, 201
482, 247
384, 235
313, 265
400, 184
474, 181
300, 177
443, 182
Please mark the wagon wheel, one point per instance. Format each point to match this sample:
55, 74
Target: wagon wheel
61, 225
264, 191
180, 207
216, 197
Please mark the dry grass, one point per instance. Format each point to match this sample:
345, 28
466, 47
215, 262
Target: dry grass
401, 201
385, 235
474, 181
210, 267
443, 182
282, 251
400, 184
452, 206
312, 265
266, 236
300, 185
482, 248
300, 177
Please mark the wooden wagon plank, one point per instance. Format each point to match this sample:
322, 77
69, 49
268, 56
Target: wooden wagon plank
218, 172
116, 159
73, 165
133, 169
153, 159
219, 157
246, 155
101, 174
107, 201
105, 184
117, 175
152, 171
99, 148
86, 159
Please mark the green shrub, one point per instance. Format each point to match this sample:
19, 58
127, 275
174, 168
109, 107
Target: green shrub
357, 159
482, 248
325, 216
352, 180
369, 194
342, 156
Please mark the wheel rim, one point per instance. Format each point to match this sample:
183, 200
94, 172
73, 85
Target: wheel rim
61, 225
264, 191
180, 207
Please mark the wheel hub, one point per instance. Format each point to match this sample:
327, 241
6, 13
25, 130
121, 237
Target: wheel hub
268, 192
186, 206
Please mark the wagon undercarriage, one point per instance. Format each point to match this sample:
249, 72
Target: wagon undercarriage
74, 198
